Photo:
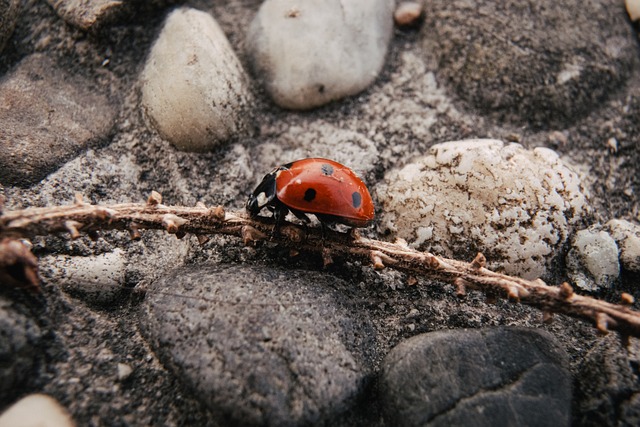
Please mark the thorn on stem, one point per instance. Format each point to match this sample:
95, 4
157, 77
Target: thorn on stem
627, 299
217, 213
72, 228
479, 262
566, 291
104, 214
461, 287
134, 231
154, 199
172, 223
376, 260
602, 323
327, 260
250, 235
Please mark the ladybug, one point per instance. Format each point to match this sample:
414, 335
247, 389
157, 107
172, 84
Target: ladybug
327, 189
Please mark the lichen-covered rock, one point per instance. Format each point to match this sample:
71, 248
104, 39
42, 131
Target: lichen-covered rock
538, 63
194, 89
517, 206
50, 116
314, 52
9, 10
627, 237
592, 262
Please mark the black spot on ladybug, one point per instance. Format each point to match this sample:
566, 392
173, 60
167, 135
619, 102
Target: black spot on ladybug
309, 195
327, 169
356, 198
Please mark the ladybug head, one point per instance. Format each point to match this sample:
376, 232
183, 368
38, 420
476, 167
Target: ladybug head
263, 195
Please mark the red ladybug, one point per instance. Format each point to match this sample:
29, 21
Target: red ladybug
327, 189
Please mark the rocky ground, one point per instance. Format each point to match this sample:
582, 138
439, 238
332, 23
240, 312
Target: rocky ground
507, 127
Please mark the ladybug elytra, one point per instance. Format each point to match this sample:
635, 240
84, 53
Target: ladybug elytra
327, 189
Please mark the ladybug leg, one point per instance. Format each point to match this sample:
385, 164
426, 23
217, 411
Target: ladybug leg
280, 211
300, 215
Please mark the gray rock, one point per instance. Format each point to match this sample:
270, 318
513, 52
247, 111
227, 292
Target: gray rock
592, 261
98, 279
87, 14
258, 345
194, 89
517, 206
627, 237
540, 63
52, 116
315, 52
607, 389
9, 10
19, 340
500, 376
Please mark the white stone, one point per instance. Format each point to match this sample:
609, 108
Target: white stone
517, 206
99, 278
314, 52
627, 236
592, 262
194, 89
36, 410
633, 9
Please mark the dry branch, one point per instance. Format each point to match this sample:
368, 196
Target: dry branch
201, 221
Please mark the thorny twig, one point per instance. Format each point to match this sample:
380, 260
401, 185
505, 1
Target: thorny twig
201, 221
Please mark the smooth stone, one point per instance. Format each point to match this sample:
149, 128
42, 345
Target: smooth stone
627, 237
260, 345
498, 376
516, 206
311, 53
541, 64
633, 9
36, 410
194, 90
87, 15
52, 117
98, 279
9, 11
19, 349
408, 14
592, 261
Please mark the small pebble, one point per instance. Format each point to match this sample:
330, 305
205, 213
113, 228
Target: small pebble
311, 53
592, 261
36, 410
633, 9
124, 371
98, 279
194, 89
627, 236
408, 14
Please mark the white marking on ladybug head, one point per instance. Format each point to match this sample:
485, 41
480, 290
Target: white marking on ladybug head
262, 199
298, 181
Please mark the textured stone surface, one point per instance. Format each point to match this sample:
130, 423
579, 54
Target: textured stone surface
540, 63
308, 54
19, 340
516, 206
500, 376
592, 261
9, 10
194, 89
87, 14
627, 237
47, 116
260, 346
